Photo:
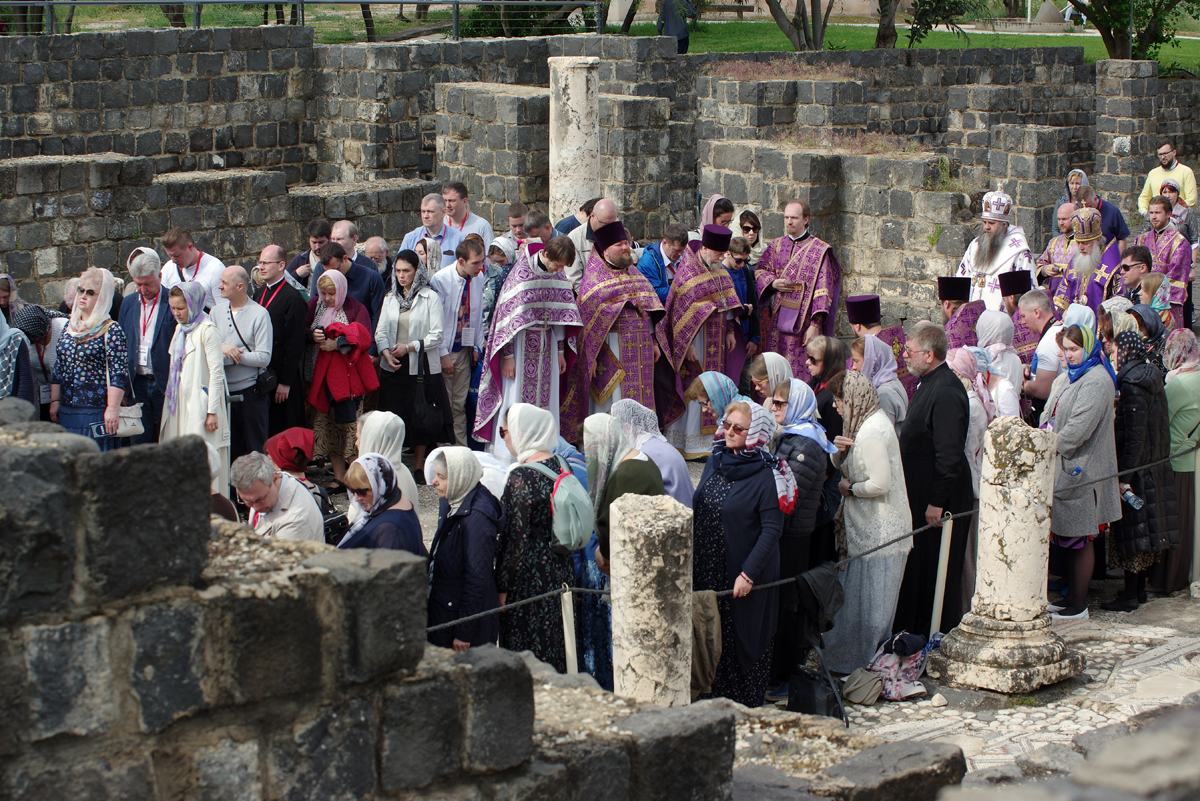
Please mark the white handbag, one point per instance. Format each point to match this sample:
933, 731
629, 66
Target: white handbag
129, 424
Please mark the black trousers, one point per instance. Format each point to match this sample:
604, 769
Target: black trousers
147, 393
247, 422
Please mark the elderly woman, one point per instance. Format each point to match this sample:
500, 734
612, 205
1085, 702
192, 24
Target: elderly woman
194, 402
89, 377
738, 514
1143, 435
713, 391
996, 330
384, 517
1181, 356
874, 510
43, 329
526, 564
462, 579
337, 369
10, 301
411, 323
1082, 417
16, 375
767, 371
803, 445
384, 433
640, 426
870, 356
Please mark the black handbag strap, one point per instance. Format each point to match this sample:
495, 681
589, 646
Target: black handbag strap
237, 330
422, 365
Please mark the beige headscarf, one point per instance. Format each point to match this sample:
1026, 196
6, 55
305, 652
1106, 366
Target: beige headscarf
532, 430
102, 281
463, 472
383, 433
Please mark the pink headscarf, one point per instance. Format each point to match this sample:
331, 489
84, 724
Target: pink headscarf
339, 288
706, 217
962, 362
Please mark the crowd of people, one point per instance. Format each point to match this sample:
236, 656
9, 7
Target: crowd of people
505, 363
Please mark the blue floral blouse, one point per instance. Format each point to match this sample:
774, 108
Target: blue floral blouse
80, 368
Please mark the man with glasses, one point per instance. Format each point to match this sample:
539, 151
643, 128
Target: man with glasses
281, 507
1135, 265
1168, 167
659, 259
287, 309
933, 441
701, 331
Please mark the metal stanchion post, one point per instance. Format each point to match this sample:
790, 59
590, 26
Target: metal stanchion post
196, 15
568, 615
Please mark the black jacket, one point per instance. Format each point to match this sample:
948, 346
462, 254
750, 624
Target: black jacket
160, 349
1143, 435
288, 312
808, 462
462, 573
933, 439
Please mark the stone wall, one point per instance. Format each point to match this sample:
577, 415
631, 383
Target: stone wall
62, 214
189, 99
1178, 115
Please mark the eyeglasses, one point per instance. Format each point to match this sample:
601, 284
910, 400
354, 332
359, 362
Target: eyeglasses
776, 403
913, 351
748, 228
273, 261
706, 404
503, 432
91, 293
254, 501
359, 492
735, 428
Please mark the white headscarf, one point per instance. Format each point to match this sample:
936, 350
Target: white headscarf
507, 245
86, 327
463, 473
532, 430
383, 433
1078, 314
605, 446
384, 491
1117, 303
778, 370
996, 330
640, 424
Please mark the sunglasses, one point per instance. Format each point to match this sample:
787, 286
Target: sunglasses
776, 403
91, 293
736, 429
748, 229
811, 360
740, 262
359, 492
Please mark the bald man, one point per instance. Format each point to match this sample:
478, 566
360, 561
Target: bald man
246, 342
604, 212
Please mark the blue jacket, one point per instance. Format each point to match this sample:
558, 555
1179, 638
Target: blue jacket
160, 349
747, 292
1112, 222
653, 266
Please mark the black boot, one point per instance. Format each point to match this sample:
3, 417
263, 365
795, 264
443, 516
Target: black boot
1141, 589
1122, 603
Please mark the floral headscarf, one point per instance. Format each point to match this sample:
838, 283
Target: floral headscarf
1182, 354
1130, 348
326, 315
801, 415
419, 282
879, 362
963, 363
860, 400
193, 296
385, 493
605, 445
761, 432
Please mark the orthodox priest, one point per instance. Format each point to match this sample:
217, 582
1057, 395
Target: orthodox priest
1056, 258
1013, 285
698, 330
959, 313
1089, 280
1171, 251
532, 343
618, 345
999, 248
798, 283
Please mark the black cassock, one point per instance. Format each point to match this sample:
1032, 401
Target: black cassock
932, 448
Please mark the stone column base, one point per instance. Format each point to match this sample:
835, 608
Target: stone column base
1007, 656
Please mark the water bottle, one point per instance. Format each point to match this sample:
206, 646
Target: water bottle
1132, 499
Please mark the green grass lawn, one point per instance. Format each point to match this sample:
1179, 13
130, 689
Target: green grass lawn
751, 37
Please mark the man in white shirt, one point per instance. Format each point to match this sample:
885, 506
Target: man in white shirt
460, 217
433, 226
146, 319
189, 264
281, 507
1037, 313
604, 212
460, 287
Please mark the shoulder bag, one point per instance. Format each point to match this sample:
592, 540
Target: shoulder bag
266, 381
129, 424
428, 412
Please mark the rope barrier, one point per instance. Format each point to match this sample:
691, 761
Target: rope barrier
947, 518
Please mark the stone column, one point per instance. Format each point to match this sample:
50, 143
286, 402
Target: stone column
574, 133
1126, 130
1005, 642
650, 542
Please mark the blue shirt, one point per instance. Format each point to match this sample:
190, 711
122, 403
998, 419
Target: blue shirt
566, 225
449, 239
1112, 222
747, 292
653, 265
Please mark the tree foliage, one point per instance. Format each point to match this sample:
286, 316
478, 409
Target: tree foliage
1154, 24
928, 14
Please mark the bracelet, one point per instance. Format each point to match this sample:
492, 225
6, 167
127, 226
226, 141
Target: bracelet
746, 579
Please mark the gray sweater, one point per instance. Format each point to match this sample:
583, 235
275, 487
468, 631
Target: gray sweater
254, 324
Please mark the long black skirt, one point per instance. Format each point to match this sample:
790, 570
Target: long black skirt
398, 393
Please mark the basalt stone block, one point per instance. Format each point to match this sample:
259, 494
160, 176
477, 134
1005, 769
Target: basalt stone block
167, 664
498, 714
422, 733
329, 758
69, 678
681, 752
383, 605
97, 779
906, 769
38, 550
145, 513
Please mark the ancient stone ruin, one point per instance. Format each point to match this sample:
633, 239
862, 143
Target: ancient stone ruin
244, 135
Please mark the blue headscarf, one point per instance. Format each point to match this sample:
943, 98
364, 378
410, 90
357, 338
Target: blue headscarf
801, 414
721, 392
1091, 346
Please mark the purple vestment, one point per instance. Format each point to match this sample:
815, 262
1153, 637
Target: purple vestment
810, 263
960, 328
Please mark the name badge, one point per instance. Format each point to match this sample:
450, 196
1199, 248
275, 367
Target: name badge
143, 355
468, 337
44, 393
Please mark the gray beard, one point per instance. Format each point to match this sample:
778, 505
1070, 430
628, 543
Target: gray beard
1084, 266
989, 249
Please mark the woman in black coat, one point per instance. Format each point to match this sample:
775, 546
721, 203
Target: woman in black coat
803, 444
462, 579
738, 511
827, 357
1143, 435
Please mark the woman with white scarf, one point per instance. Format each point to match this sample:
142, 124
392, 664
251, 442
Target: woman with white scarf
90, 376
462, 579
995, 330
195, 398
384, 518
383, 433
641, 428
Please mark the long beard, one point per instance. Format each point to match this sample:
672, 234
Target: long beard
622, 261
1084, 266
989, 248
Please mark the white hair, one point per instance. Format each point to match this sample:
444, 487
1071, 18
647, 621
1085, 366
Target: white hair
143, 262
250, 468
434, 198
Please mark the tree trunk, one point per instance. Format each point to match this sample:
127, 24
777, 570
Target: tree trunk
633, 8
368, 22
174, 15
817, 39
787, 24
69, 20
1015, 8
504, 22
885, 36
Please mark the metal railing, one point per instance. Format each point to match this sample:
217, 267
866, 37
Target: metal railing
49, 8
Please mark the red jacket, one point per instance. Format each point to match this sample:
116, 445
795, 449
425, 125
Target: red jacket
344, 375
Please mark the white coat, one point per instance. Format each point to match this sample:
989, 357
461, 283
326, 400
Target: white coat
425, 325
201, 393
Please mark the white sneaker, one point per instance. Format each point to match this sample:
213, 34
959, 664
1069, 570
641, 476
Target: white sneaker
1054, 608
1081, 616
